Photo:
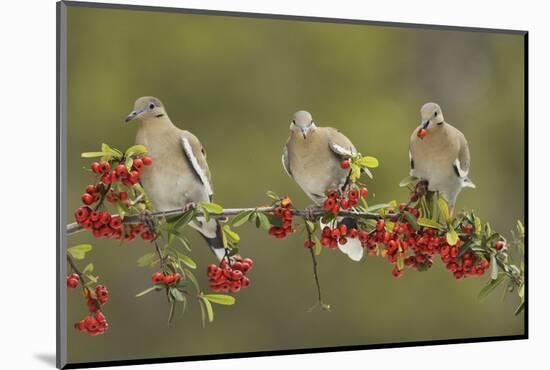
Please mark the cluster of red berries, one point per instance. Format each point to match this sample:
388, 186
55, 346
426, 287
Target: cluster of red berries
95, 323
102, 224
166, 279
120, 172
424, 244
229, 277
332, 236
336, 200
73, 280
284, 213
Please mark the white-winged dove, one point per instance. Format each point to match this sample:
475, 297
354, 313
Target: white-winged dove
439, 154
179, 174
312, 157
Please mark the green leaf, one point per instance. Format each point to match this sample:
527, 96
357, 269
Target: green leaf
172, 311
426, 222
231, 235
355, 172
477, 225
377, 207
220, 299
494, 267
186, 260
521, 228
111, 151
519, 309
135, 150
178, 296
264, 221
444, 208
185, 218
275, 221
367, 161
79, 251
452, 236
241, 218
400, 261
491, 285
128, 163
318, 248
88, 269
272, 195
93, 154
411, 220
212, 207
189, 274
147, 259
148, 290
407, 180
208, 307
203, 313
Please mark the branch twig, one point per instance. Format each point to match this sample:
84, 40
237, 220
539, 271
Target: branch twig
136, 219
314, 261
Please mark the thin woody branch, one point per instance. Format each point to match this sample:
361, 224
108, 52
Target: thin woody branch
316, 212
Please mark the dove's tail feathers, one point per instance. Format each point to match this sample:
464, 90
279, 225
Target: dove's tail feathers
353, 248
467, 183
212, 232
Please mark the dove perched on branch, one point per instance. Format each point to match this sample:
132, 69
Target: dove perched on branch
312, 157
180, 174
439, 154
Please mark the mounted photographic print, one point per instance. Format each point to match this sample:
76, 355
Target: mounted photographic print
234, 184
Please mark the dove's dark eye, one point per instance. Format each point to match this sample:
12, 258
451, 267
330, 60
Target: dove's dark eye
293, 122
435, 114
151, 106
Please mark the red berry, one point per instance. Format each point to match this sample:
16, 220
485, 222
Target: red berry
499, 245
95, 167
81, 214
72, 280
308, 244
332, 194
363, 192
344, 203
353, 194
104, 167
335, 233
422, 133
90, 189
157, 277
236, 275
329, 204
343, 229
123, 195
146, 235
115, 223
380, 225
87, 199
138, 164
342, 241
344, 164
396, 272
147, 161
245, 282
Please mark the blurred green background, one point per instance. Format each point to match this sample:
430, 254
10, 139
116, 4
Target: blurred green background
235, 82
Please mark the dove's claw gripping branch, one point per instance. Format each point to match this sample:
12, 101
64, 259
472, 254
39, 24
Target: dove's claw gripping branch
410, 235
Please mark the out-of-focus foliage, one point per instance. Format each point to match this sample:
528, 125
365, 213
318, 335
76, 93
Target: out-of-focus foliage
235, 82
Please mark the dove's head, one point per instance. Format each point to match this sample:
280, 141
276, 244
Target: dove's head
302, 122
145, 108
432, 116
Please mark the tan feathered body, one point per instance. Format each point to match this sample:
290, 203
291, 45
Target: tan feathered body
169, 182
435, 156
313, 165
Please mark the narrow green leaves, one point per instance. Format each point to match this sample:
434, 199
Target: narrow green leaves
426, 222
220, 299
241, 218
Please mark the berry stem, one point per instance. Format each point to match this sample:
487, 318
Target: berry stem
75, 268
314, 262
